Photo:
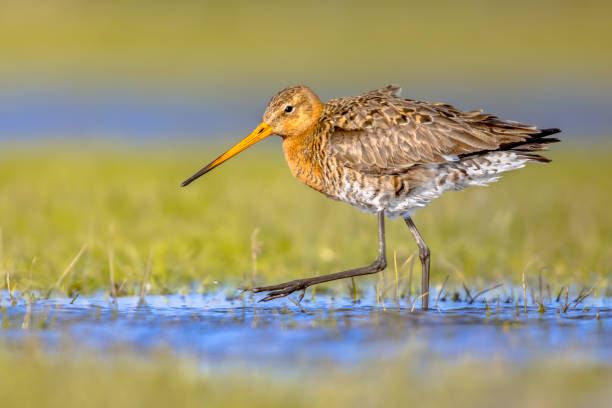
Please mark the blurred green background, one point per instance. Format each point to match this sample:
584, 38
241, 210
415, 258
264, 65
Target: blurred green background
235, 45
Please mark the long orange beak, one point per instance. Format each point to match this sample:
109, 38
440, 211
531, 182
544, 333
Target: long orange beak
261, 132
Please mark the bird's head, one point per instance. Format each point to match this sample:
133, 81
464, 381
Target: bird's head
290, 113
293, 111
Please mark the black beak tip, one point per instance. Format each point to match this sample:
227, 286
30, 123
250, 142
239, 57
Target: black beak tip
196, 176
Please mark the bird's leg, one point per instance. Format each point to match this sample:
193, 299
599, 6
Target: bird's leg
284, 289
424, 256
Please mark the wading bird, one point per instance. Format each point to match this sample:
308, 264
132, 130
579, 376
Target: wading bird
389, 156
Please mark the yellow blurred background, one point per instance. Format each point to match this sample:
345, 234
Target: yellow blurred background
318, 42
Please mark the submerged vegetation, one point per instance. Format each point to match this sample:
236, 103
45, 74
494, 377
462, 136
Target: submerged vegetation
122, 211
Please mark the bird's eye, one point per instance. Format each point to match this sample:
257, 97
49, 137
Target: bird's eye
288, 109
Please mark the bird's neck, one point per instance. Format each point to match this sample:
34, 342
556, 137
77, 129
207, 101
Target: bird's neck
304, 159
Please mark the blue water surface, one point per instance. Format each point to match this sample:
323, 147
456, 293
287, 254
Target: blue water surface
219, 328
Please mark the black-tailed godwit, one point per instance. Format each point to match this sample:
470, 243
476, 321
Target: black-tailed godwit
387, 155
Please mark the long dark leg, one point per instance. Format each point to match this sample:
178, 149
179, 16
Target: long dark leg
284, 289
424, 256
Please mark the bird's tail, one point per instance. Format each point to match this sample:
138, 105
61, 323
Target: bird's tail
536, 143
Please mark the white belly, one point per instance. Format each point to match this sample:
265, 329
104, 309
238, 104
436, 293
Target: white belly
455, 175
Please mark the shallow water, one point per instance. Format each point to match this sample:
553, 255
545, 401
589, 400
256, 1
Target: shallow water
217, 329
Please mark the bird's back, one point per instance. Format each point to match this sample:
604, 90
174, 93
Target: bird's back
378, 151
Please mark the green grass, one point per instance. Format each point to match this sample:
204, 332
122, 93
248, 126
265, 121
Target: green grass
550, 219
63, 380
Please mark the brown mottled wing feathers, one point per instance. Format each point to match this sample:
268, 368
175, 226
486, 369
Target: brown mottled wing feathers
380, 133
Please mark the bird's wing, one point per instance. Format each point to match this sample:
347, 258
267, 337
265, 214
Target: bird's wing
380, 133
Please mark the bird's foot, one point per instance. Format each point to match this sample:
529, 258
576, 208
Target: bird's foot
284, 289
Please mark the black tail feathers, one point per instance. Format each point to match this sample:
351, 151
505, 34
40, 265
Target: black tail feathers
547, 132
536, 143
